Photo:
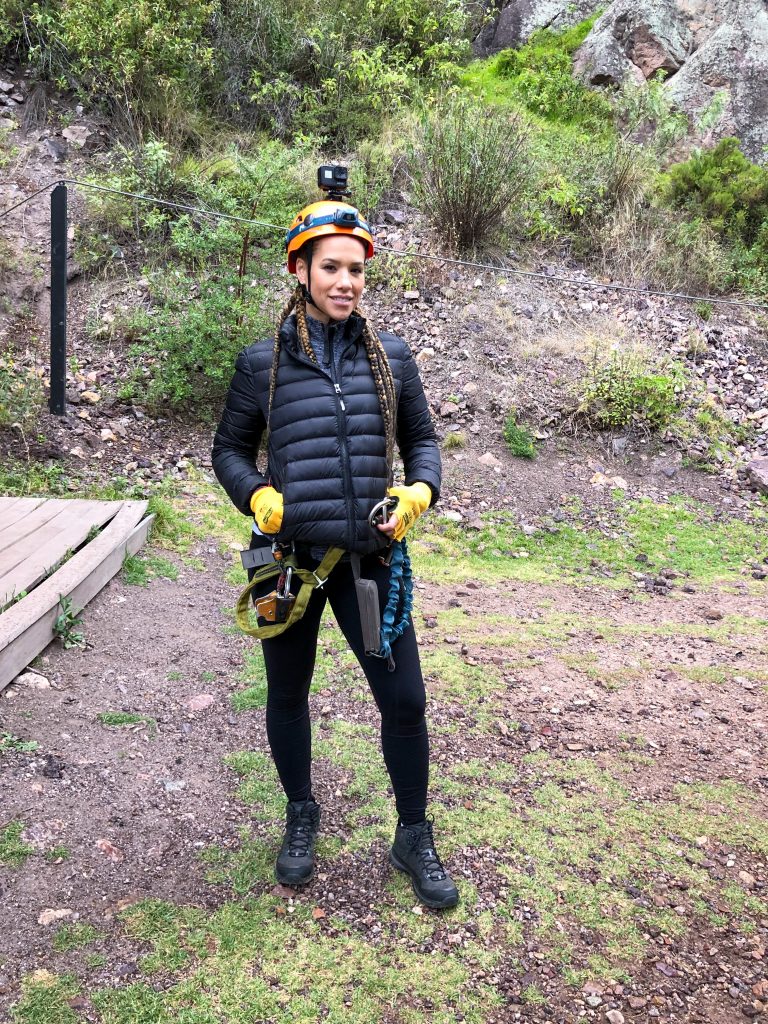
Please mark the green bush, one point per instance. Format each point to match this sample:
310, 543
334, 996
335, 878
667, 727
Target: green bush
186, 342
333, 71
628, 390
150, 59
519, 439
469, 166
722, 188
539, 77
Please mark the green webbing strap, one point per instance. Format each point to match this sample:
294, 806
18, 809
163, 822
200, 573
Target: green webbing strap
309, 582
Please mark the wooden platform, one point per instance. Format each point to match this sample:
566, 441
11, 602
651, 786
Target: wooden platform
52, 548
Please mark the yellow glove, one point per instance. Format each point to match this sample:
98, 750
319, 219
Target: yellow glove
267, 508
414, 501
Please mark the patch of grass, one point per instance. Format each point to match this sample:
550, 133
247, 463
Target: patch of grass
120, 719
454, 440
682, 535
57, 853
13, 850
45, 999
138, 570
9, 742
247, 954
75, 936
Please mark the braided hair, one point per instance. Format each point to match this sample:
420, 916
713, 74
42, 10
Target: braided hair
377, 357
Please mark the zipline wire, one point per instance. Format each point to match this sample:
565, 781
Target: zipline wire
505, 271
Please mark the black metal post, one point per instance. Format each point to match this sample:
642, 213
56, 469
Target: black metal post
58, 400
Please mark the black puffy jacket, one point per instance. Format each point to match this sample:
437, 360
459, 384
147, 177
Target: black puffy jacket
327, 452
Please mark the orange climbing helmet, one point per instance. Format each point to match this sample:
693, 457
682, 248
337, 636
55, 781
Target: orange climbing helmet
326, 218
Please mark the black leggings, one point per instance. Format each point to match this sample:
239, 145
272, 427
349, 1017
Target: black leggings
399, 695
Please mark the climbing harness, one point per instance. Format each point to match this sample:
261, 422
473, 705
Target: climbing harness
280, 609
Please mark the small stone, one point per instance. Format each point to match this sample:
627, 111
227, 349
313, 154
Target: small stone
593, 1001
52, 915
637, 1002
489, 460
90, 396
199, 702
32, 680
413, 294
173, 785
615, 1017
747, 879
712, 614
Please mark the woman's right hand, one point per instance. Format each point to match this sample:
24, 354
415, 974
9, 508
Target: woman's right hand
267, 508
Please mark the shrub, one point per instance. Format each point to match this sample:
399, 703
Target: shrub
539, 76
628, 390
143, 58
469, 165
722, 188
519, 439
21, 393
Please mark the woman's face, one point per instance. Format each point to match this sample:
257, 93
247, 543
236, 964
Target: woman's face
337, 276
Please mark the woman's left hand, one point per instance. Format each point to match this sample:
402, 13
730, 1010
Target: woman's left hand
389, 527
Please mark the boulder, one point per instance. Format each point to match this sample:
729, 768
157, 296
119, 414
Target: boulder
757, 474
714, 53
519, 19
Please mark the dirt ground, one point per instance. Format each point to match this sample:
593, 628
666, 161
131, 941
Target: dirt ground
134, 807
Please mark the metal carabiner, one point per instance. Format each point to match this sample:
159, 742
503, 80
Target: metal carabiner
285, 579
380, 512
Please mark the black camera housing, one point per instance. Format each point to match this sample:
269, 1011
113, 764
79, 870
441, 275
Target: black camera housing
332, 178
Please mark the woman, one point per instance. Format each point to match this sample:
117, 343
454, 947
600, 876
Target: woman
334, 397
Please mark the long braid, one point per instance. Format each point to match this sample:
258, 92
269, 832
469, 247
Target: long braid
385, 389
286, 312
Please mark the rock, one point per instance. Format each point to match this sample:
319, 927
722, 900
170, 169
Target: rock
6, 87
748, 880
114, 853
593, 1001
615, 1017
637, 1002
455, 517
32, 680
394, 217
712, 614
519, 19
51, 915
53, 767
711, 51
77, 134
173, 785
757, 474
489, 460
90, 396
199, 702
412, 295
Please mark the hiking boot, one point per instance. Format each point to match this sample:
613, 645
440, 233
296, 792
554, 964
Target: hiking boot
414, 852
295, 863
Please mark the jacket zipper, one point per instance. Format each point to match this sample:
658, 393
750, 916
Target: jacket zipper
342, 428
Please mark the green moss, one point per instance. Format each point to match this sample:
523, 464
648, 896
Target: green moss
119, 719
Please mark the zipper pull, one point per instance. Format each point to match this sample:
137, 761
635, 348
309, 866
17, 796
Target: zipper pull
337, 389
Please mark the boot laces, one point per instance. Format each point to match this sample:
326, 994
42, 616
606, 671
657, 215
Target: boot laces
300, 830
422, 842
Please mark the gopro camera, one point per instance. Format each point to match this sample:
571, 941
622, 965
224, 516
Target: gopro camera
332, 178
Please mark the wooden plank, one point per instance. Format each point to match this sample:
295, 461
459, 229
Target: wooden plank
69, 517
27, 627
29, 561
13, 509
37, 517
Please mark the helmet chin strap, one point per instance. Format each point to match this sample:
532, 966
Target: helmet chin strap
305, 288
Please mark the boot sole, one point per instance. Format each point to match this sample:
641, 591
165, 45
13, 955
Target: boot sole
294, 883
428, 901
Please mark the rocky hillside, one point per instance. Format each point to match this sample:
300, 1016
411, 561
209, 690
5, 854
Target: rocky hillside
713, 52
